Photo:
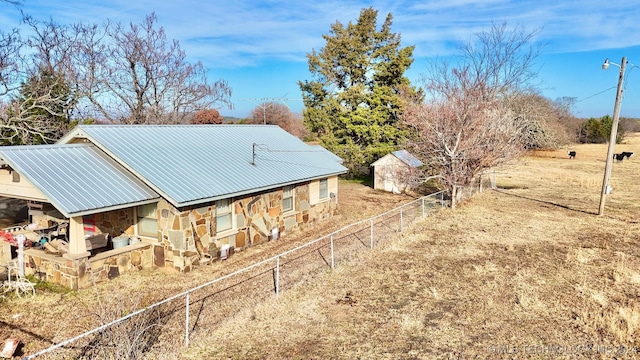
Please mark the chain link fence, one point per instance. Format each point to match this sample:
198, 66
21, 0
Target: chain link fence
484, 181
156, 331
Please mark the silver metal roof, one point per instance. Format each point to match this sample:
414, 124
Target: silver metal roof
78, 179
404, 156
192, 164
329, 153
407, 158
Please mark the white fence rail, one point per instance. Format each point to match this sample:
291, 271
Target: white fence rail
296, 262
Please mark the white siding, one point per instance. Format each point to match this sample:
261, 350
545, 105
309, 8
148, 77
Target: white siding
23, 189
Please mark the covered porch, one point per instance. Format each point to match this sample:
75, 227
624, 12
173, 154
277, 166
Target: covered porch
82, 213
79, 251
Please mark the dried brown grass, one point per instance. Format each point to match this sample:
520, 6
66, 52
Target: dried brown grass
528, 272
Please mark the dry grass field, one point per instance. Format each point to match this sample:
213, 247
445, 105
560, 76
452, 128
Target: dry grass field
527, 271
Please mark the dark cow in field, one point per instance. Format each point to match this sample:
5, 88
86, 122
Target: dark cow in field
622, 155
572, 154
626, 154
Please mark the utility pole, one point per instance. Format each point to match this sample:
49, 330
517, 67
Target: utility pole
606, 188
263, 107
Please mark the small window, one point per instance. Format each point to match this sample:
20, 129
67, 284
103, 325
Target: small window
287, 199
223, 215
147, 220
324, 189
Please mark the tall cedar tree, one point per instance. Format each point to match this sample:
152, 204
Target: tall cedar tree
354, 107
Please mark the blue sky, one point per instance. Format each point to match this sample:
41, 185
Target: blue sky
259, 47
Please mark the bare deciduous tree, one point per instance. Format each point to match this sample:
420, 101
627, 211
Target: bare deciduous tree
10, 61
39, 99
33, 120
546, 123
274, 113
502, 61
106, 72
207, 116
297, 128
140, 77
466, 126
461, 135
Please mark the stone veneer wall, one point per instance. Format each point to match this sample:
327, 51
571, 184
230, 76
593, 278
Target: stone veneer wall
78, 274
186, 239
81, 273
190, 237
115, 222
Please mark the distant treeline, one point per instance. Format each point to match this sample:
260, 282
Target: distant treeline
596, 131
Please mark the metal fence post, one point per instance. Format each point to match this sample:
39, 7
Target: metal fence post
186, 322
422, 207
332, 258
371, 232
277, 276
401, 219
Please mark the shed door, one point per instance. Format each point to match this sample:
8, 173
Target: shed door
388, 182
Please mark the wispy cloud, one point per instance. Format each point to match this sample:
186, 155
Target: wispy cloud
241, 33
261, 46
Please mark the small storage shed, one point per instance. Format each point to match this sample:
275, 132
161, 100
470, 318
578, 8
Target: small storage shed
395, 172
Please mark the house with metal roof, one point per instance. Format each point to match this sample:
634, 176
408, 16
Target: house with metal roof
396, 172
163, 195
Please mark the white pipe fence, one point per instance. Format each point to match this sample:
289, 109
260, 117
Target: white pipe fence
430, 202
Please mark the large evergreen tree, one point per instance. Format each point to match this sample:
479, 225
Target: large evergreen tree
354, 104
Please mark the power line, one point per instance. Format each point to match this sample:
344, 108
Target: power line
292, 163
596, 94
264, 106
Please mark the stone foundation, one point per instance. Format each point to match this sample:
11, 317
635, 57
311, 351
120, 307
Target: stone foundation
187, 238
82, 273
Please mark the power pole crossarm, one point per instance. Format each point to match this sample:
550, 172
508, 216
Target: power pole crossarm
264, 103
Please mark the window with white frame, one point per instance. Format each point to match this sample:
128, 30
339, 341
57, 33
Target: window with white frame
147, 220
287, 198
324, 189
224, 216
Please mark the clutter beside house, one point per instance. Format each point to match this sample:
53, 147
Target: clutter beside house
109, 199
